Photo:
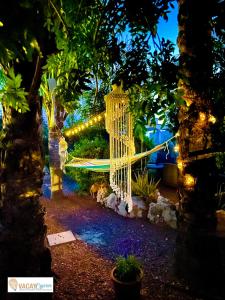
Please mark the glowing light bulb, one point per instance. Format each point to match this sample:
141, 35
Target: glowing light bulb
180, 164
176, 148
189, 180
202, 116
95, 119
212, 119
99, 118
91, 122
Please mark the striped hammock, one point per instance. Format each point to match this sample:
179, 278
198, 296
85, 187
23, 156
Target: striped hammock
103, 165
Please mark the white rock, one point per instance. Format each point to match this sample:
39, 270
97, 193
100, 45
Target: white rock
162, 211
138, 207
121, 208
111, 201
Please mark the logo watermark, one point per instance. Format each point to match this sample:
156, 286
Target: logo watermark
30, 284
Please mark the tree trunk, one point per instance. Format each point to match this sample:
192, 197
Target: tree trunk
198, 256
54, 164
56, 172
22, 230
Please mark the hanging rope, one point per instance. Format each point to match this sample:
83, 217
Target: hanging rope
119, 125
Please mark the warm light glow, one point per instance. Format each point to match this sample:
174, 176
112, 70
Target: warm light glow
1, 24
78, 128
202, 116
189, 180
212, 119
188, 100
180, 165
28, 194
177, 134
176, 148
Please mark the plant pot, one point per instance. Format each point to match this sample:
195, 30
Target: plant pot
127, 290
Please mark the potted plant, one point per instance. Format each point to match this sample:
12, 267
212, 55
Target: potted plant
127, 277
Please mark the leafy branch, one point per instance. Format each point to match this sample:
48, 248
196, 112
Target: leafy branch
12, 94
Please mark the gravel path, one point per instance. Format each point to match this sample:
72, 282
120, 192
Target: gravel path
82, 267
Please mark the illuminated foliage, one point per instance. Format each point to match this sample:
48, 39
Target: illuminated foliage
12, 94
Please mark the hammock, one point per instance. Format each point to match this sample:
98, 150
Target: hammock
103, 165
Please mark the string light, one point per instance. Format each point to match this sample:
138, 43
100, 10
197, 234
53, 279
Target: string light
180, 165
212, 119
176, 148
202, 116
189, 180
76, 129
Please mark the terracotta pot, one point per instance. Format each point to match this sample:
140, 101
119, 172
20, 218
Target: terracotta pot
127, 290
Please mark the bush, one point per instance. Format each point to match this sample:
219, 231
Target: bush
96, 147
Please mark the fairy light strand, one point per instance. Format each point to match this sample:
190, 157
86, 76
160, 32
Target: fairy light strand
78, 128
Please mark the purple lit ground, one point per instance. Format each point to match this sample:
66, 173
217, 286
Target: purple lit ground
83, 266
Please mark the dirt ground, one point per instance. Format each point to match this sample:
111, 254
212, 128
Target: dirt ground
82, 268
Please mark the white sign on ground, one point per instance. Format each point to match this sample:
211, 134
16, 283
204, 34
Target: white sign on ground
60, 238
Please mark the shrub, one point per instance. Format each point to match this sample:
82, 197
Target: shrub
127, 269
144, 187
96, 147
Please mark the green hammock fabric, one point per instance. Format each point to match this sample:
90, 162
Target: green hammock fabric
103, 165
